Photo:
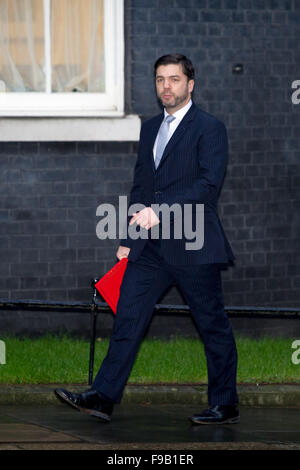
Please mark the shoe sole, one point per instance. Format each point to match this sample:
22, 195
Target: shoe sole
102, 416
226, 421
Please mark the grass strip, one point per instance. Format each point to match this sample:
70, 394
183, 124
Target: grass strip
64, 359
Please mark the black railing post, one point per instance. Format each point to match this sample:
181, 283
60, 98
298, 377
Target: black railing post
94, 312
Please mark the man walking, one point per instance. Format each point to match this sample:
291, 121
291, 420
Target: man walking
182, 160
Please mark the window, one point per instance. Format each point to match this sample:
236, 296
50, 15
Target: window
61, 58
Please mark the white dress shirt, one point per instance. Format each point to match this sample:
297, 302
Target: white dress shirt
173, 125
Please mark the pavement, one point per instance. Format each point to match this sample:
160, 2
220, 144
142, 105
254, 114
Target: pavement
149, 417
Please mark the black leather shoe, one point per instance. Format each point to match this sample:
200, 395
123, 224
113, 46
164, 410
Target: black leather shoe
219, 414
90, 402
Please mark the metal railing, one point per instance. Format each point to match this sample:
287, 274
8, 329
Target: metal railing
95, 307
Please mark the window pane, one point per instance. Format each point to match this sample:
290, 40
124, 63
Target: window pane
77, 46
21, 46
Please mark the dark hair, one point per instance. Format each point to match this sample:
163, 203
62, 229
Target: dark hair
187, 66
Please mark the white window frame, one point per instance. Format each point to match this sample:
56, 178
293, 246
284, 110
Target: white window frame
108, 104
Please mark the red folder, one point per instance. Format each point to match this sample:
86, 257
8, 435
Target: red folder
109, 285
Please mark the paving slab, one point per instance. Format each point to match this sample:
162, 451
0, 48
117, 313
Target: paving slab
142, 426
149, 417
22, 432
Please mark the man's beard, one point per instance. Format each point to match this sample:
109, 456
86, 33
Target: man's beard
177, 100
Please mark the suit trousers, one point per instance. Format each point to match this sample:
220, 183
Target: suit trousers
144, 282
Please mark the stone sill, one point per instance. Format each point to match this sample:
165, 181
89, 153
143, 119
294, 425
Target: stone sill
47, 129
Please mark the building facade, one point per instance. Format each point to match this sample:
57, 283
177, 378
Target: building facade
56, 169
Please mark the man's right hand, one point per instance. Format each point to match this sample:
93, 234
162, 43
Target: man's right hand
122, 252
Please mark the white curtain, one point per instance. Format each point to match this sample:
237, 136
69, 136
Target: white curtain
77, 46
21, 46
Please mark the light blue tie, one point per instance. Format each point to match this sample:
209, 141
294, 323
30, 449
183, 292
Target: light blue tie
162, 138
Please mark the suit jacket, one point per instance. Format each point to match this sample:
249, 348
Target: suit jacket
191, 171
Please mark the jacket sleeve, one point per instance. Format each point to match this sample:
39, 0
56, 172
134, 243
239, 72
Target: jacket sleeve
135, 193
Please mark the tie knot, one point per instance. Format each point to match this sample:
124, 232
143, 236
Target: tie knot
169, 118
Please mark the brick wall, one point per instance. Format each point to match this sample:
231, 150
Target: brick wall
260, 197
49, 192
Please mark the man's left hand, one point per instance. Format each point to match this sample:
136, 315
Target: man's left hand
146, 218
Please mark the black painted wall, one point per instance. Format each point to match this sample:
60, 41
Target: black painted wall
49, 192
259, 205
49, 196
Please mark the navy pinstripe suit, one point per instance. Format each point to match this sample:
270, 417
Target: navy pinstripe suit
191, 171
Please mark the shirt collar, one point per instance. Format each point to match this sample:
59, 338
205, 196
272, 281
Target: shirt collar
181, 112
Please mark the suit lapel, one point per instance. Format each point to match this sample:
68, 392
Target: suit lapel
181, 128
